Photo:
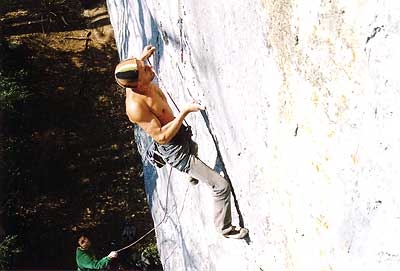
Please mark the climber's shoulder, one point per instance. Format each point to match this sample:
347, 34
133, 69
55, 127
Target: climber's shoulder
136, 108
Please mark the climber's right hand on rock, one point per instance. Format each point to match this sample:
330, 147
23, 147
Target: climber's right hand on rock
194, 107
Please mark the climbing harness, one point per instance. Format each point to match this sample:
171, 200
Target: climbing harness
151, 153
153, 156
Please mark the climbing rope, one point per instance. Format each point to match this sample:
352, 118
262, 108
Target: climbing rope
155, 227
216, 144
168, 182
164, 217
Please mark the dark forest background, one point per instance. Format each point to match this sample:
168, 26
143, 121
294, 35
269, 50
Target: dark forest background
68, 162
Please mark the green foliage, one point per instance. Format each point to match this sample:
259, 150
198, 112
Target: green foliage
11, 91
8, 248
12, 78
151, 253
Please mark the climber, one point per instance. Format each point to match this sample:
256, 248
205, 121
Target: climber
85, 258
147, 106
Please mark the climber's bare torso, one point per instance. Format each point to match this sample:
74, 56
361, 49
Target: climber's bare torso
147, 106
144, 107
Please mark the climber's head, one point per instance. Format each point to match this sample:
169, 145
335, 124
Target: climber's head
131, 73
84, 242
127, 73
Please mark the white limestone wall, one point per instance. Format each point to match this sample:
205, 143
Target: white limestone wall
302, 116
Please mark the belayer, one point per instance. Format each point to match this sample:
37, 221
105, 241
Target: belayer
85, 258
147, 106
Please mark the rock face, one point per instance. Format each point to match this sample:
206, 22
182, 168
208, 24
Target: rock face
302, 116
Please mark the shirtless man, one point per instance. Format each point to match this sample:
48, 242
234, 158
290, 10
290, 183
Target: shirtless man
147, 106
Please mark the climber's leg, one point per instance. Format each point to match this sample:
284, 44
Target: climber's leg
221, 193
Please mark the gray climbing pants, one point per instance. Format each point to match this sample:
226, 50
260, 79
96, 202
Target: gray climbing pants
221, 192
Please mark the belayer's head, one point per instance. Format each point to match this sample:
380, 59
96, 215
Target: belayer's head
132, 72
84, 242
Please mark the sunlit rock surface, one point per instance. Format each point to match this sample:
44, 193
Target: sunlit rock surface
303, 109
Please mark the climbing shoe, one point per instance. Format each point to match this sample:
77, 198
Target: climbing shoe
236, 233
192, 181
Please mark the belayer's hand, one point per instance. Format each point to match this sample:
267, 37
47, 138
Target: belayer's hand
147, 52
113, 254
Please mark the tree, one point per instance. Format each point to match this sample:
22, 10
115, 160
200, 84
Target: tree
8, 248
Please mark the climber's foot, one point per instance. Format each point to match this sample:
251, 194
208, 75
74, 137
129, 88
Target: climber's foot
193, 181
237, 233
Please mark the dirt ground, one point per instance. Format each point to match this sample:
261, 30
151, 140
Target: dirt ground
78, 168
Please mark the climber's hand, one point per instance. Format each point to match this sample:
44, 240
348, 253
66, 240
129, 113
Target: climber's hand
148, 51
194, 107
